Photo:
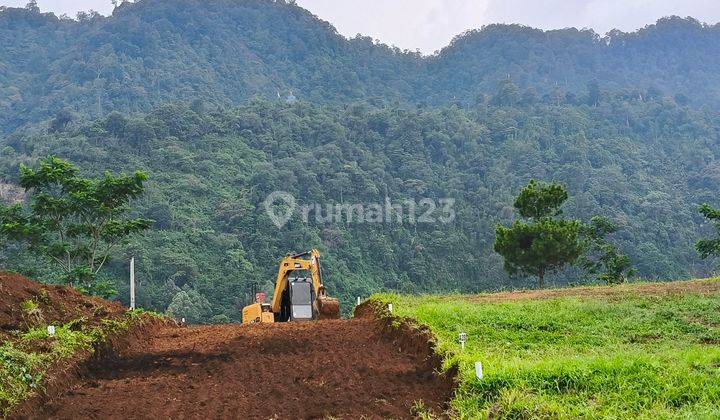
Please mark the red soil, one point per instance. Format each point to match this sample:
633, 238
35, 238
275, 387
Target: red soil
329, 369
57, 305
357, 368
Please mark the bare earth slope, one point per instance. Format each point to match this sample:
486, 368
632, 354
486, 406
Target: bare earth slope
339, 369
56, 304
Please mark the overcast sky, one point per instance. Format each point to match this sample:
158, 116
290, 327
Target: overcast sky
429, 25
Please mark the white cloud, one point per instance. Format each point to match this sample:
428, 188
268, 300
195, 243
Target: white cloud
429, 25
600, 15
409, 24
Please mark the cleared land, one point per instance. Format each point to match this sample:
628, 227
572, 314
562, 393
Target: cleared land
328, 369
31, 360
635, 351
106, 363
642, 351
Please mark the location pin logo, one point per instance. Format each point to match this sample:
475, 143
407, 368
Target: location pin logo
279, 215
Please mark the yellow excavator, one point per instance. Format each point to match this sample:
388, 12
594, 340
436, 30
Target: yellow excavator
299, 294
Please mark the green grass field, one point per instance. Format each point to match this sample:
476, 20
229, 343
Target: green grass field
626, 355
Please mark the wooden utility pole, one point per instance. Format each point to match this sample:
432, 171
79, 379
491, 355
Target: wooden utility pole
132, 283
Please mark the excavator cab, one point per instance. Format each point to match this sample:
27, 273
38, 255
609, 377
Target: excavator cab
258, 313
302, 297
297, 301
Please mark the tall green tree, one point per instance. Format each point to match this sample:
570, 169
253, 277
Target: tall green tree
191, 306
76, 222
508, 94
601, 258
544, 242
710, 247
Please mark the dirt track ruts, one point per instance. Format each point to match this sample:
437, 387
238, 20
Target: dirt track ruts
329, 369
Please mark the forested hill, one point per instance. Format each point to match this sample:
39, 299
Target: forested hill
188, 90
646, 164
155, 51
226, 51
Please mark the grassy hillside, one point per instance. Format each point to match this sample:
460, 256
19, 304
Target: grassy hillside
639, 351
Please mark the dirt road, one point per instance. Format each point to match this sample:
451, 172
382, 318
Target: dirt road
329, 369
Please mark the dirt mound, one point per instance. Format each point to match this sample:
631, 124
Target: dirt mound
697, 287
329, 369
54, 305
72, 372
56, 364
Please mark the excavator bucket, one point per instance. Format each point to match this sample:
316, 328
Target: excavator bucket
328, 308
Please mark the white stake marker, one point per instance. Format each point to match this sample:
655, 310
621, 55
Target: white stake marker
132, 283
478, 370
462, 338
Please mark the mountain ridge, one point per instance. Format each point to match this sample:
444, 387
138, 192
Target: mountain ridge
157, 51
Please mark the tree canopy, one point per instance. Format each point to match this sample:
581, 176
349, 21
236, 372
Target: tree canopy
540, 201
710, 247
602, 258
153, 52
212, 170
76, 222
544, 244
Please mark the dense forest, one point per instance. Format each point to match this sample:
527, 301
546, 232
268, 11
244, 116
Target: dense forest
645, 164
194, 93
226, 51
